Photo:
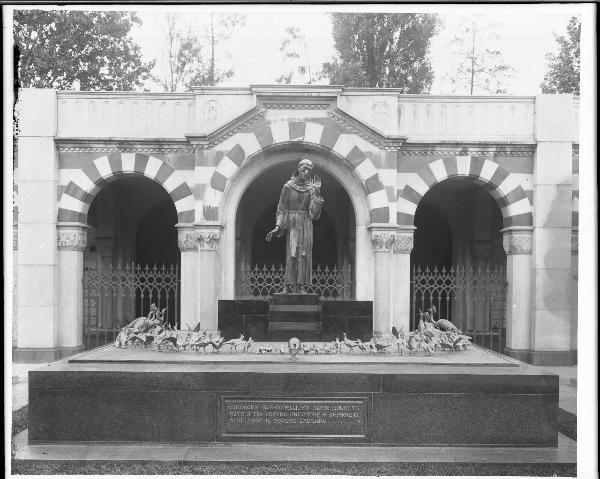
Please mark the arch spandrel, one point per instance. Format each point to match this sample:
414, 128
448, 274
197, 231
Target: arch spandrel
503, 186
79, 193
340, 146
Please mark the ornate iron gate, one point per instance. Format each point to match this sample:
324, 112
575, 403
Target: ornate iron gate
329, 283
473, 299
114, 296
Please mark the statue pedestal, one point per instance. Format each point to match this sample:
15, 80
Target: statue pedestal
295, 315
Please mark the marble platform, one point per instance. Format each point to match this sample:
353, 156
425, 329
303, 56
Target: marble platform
459, 399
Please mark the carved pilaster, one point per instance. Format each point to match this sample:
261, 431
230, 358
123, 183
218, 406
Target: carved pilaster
71, 237
517, 241
575, 241
15, 238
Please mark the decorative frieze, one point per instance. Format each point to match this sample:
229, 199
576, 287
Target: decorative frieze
208, 239
404, 243
187, 241
517, 241
522, 152
71, 238
296, 106
383, 240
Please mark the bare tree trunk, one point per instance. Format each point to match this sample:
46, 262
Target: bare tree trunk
473, 62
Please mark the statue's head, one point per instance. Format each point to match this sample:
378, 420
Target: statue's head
305, 168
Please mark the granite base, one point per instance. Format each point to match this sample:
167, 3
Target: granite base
114, 395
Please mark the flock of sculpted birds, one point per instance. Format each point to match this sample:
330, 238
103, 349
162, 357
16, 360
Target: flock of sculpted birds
430, 335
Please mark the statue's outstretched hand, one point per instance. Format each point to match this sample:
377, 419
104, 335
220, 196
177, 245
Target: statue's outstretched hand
271, 233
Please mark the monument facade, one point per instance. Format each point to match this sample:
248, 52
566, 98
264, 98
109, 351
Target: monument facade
191, 180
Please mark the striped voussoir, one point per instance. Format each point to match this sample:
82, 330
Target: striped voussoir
504, 188
342, 145
77, 196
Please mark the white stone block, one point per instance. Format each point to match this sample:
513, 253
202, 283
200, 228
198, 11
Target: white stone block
152, 167
417, 183
103, 167
226, 167
553, 164
37, 159
552, 247
128, 160
554, 117
36, 328
37, 112
249, 143
280, 131
438, 169
203, 174
553, 206
343, 145
488, 169
313, 132
36, 285
366, 169
463, 164
37, 243
37, 201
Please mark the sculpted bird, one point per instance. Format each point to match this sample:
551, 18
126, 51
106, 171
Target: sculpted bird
216, 344
441, 324
351, 344
235, 343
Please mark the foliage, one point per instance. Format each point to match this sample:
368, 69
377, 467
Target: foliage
481, 69
66, 49
385, 50
182, 54
221, 28
563, 68
296, 51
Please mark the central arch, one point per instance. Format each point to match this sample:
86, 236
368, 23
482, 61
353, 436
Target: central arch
250, 170
340, 147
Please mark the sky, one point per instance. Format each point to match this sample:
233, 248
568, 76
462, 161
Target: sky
525, 36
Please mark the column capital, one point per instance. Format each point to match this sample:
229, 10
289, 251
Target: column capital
186, 237
404, 240
383, 236
517, 239
208, 235
71, 236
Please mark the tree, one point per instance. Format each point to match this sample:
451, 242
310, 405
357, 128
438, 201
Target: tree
388, 50
182, 57
563, 68
296, 51
63, 49
221, 28
480, 69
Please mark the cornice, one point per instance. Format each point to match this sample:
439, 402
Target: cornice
124, 145
473, 149
207, 140
373, 136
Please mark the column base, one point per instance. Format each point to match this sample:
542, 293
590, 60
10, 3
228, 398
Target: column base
543, 358
43, 355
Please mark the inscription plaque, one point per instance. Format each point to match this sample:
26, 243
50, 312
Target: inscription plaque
294, 417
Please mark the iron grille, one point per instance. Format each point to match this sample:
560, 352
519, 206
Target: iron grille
114, 296
329, 283
473, 299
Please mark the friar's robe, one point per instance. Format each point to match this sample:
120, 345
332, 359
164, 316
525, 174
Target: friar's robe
298, 207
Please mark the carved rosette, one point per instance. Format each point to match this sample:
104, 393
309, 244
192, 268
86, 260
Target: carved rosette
208, 239
187, 241
72, 239
404, 244
383, 240
517, 242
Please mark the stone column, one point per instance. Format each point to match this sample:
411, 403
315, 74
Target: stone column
383, 239
552, 216
71, 241
188, 286
574, 286
402, 248
208, 237
37, 256
517, 243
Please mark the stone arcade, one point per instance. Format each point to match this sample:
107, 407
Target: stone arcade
458, 186
109, 179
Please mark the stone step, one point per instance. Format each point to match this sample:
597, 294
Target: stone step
300, 316
294, 326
